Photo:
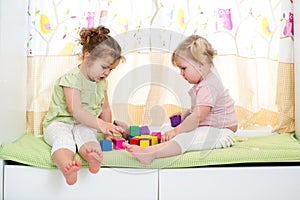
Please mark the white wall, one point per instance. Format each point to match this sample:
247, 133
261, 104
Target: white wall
13, 31
297, 65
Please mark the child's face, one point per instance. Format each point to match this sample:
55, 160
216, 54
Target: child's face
101, 68
190, 70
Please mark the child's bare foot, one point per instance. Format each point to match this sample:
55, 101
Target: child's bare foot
70, 171
141, 153
124, 126
94, 158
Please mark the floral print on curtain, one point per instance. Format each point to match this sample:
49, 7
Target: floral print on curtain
254, 40
251, 28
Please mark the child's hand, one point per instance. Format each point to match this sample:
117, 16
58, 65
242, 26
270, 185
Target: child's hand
124, 126
109, 129
108, 136
168, 135
112, 136
175, 114
183, 114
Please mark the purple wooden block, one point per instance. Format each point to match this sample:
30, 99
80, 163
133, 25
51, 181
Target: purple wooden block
175, 120
144, 130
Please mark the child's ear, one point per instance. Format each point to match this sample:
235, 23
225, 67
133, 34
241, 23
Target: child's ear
86, 54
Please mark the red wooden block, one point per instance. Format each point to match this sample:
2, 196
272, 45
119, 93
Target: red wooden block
135, 141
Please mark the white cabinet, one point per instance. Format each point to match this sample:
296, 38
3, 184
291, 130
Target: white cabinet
234, 183
213, 183
24, 182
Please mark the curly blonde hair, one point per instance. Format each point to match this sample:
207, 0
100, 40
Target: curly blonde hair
196, 48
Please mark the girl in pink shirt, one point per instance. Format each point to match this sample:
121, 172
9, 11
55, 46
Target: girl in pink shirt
211, 121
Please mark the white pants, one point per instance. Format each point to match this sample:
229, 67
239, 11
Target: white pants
64, 135
205, 138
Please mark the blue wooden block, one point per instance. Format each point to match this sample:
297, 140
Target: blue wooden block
106, 145
129, 137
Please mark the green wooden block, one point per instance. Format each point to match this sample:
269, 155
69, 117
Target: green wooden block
134, 130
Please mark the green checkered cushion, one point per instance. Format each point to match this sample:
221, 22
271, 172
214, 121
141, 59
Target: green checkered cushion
33, 151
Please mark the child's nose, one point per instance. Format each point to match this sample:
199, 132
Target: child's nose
181, 72
106, 72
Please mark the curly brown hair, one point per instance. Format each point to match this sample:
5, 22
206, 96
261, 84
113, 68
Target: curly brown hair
92, 38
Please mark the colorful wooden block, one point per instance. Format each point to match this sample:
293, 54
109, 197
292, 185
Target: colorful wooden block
106, 145
129, 137
135, 141
148, 139
118, 143
145, 136
144, 142
117, 135
175, 120
134, 130
144, 130
158, 134
154, 140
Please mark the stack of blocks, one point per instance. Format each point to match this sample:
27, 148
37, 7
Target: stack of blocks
139, 135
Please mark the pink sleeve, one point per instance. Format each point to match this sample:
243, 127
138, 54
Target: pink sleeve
205, 96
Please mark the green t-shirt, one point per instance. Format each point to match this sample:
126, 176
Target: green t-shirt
92, 97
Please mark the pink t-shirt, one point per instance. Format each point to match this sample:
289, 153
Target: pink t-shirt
211, 92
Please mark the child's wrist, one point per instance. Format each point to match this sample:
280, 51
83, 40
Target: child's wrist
101, 125
176, 130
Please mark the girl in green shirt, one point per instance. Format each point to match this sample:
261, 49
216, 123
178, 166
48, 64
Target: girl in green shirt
79, 106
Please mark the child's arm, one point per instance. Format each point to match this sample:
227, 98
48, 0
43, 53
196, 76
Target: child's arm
106, 111
191, 122
106, 115
73, 100
183, 114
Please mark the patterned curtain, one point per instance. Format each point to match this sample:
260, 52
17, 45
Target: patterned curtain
253, 38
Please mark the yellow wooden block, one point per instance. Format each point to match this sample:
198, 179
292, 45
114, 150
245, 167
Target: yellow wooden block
154, 140
144, 143
146, 136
